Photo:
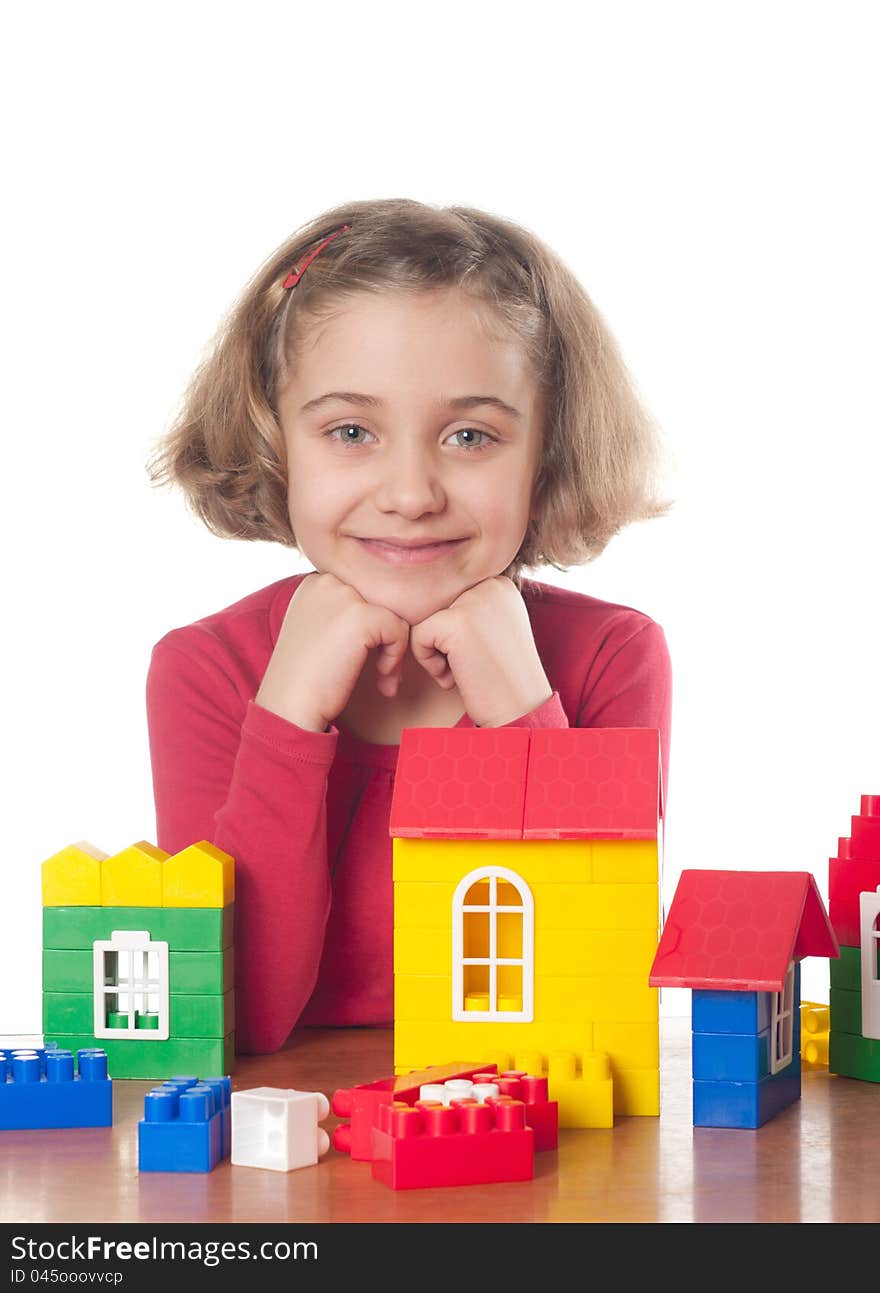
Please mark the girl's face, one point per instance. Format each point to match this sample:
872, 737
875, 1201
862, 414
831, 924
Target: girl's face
413, 440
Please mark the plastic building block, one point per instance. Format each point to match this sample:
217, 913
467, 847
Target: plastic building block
852, 1056
133, 878
73, 876
201, 875
586, 783
709, 939
815, 1024
38, 1088
745, 1104
855, 869
185, 1127
278, 1129
184, 929
542, 1113
583, 1088
465, 1143
717, 1011
360, 1104
460, 783
730, 1057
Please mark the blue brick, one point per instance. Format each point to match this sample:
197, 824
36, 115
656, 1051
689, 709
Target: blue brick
43, 1088
730, 1057
715, 1011
186, 1125
746, 1104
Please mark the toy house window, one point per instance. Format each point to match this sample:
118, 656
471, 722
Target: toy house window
131, 986
493, 940
869, 942
782, 1023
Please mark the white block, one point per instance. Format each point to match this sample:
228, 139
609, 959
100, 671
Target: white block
278, 1129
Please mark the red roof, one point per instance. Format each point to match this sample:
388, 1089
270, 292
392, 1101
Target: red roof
739, 930
527, 783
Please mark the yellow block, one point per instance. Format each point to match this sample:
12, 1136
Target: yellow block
609, 999
133, 878
199, 876
419, 997
448, 861
595, 951
422, 906
416, 1041
625, 861
815, 1033
72, 878
637, 1092
633, 1045
583, 1087
565, 907
423, 951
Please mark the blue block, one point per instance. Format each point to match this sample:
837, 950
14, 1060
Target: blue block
730, 1057
39, 1088
715, 1011
746, 1104
186, 1125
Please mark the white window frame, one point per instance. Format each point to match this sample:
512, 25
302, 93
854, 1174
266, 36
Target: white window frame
525, 909
782, 1023
134, 949
869, 943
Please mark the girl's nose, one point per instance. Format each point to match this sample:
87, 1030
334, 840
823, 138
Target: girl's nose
410, 486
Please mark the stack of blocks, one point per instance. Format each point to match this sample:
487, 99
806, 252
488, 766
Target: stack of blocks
187, 1125
138, 957
854, 907
39, 1088
526, 908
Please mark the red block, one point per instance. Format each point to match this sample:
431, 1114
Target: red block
593, 783
423, 1145
855, 870
460, 783
361, 1104
865, 832
542, 1114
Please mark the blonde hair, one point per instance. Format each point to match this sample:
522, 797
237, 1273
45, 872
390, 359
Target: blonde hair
601, 448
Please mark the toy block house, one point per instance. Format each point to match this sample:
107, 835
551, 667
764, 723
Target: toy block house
736, 939
854, 906
138, 957
526, 909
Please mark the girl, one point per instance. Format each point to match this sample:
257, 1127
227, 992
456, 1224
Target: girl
425, 403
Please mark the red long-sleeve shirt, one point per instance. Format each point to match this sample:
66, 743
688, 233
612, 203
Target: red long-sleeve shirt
305, 814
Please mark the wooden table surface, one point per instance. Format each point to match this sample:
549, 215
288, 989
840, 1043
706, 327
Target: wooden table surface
815, 1162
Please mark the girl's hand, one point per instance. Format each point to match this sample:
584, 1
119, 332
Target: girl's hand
483, 645
327, 633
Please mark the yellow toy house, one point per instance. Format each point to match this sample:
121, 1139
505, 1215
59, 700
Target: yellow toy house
527, 909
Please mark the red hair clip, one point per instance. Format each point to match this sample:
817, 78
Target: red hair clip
303, 263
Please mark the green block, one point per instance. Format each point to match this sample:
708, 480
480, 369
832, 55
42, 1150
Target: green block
67, 970
68, 1012
156, 1061
184, 929
851, 1056
846, 1011
195, 1016
201, 1016
208, 973
211, 973
845, 971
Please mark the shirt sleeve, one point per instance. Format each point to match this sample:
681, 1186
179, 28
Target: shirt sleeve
634, 689
227, 770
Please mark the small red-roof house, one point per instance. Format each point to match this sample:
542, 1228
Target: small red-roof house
736, 938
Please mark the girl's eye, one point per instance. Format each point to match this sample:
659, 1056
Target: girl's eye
471, 438
351, 433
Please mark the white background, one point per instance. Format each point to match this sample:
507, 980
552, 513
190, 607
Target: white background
708, 171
